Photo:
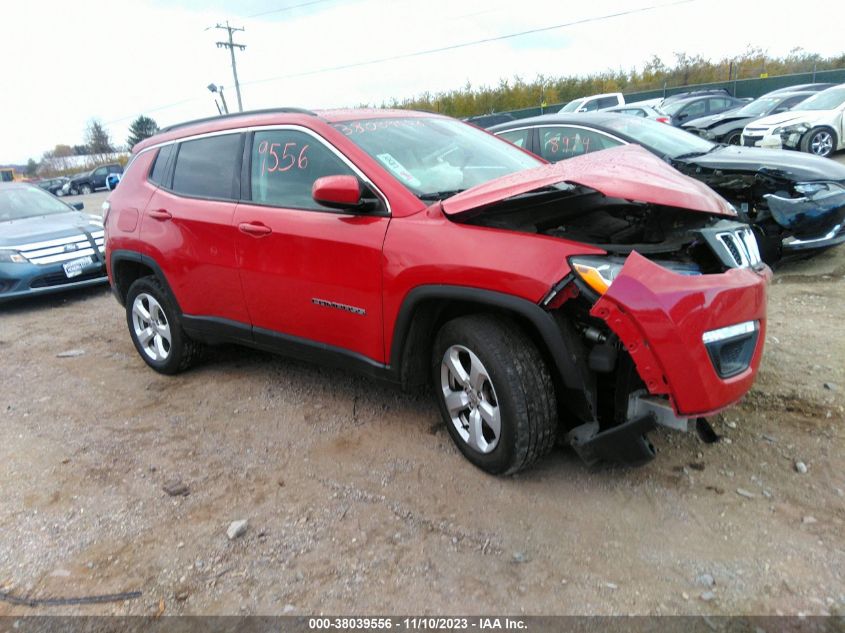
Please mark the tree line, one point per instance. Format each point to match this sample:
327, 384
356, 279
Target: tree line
684, 70
98, 146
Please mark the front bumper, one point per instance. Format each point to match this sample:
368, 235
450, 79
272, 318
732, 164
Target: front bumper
661, 318
27, 280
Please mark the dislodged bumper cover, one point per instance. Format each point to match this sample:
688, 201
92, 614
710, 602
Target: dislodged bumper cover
812, 216
661, 317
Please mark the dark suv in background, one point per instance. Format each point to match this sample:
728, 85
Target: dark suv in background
94, 179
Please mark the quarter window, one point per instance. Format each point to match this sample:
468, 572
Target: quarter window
207, 167
557, 143
285, 164
160, 165
517, 137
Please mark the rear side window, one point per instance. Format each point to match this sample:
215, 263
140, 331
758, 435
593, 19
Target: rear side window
285, 164
607, 102
517, 137
207, 167
160, 165
557, 143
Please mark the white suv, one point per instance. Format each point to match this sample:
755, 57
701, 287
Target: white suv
816, 125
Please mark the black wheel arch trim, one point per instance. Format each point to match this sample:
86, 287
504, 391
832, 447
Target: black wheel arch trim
566, 366
119, 256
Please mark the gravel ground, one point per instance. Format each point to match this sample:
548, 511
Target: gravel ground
357, 501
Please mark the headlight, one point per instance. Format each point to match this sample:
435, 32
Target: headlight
597, 272
811, 189
798, 128
13, 257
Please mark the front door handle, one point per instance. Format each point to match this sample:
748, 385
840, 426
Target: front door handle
160, 214
255, 229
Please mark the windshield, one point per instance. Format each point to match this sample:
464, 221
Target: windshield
759, 106
17, 203
826, 100
436, 157
572, 105
663, 139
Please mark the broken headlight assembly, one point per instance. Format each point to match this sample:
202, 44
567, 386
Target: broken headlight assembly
8, 256
791, 134
599, 272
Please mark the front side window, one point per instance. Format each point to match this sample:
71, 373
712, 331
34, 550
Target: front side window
207, 167
557, 143
436, 157
284, 166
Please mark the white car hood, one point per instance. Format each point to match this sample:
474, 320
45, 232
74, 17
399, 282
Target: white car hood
805, 116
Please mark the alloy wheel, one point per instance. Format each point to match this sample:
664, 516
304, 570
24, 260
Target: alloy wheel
821, 144
470, 399
151, 327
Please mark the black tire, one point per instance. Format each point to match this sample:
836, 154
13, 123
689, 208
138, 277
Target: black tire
60, 193
520, 382
86, 189
182, 351
734, 138
811, 136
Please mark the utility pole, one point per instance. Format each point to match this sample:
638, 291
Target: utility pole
231, 46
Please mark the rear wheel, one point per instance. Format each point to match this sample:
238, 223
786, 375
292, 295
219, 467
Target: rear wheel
60, 193
495, 393
155, 328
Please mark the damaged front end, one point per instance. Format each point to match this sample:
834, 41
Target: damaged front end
667, 326
815, 217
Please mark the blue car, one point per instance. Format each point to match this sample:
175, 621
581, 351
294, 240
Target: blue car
46, 245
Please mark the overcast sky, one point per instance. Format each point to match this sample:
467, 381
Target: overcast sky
66, 62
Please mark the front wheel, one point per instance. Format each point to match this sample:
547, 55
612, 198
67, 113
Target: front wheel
733, 138
155, 328
494, 392
60, 193
819, 141
86, 189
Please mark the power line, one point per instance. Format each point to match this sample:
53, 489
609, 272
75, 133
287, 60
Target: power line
232, 46
426, 51
288, 8
486, 40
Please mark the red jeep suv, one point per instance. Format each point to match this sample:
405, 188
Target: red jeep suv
586, 301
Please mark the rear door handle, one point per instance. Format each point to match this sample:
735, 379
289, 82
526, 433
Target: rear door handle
255, 229
160, 214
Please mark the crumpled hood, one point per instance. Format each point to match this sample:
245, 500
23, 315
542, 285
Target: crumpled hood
628, 172
46, 227
795, 166
706, 122
792, 116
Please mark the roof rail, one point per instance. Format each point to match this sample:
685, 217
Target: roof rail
234, 115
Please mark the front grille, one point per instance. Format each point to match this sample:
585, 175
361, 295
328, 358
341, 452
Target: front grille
60, 279
730, 244
62, 249
737, 248
750, 141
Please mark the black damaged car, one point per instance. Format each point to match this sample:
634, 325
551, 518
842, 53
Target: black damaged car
727, 127
794, 202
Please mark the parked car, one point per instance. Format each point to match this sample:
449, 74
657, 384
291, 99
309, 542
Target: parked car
53, 185
682, 110
642, 111
800, 88
816, 125
489, 120
795, 203
593, 299
594, 102
67, 189
687, 94
727, 127
94, 179
46, 245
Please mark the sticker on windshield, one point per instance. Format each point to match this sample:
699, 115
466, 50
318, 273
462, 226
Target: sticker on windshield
399, 169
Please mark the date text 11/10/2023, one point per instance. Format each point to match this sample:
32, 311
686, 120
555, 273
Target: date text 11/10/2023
417, 623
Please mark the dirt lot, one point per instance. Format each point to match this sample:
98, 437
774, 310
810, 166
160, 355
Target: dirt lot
358, 502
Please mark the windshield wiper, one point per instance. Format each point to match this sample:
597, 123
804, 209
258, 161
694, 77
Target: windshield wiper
439, 195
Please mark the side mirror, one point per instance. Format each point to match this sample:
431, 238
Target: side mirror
78, 205
337, 192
